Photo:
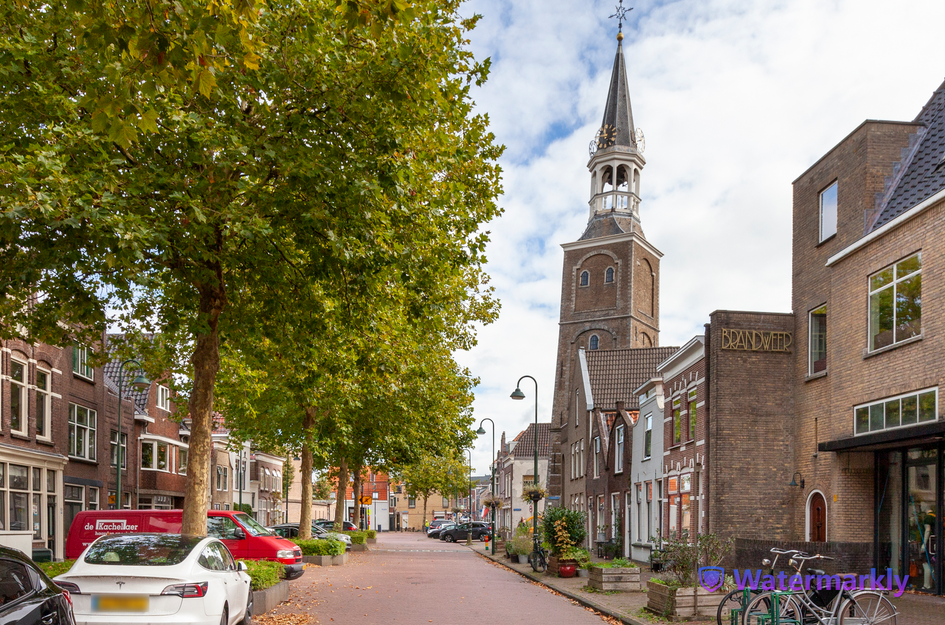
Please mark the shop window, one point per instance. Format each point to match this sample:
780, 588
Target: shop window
818, 340
648, 437
828, 212
901, 411
618, 451
896, 303
82, 424
18, 398
685, 513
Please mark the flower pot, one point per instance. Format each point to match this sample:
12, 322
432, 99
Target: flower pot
682, 603
582, 573
522, 558
566, 569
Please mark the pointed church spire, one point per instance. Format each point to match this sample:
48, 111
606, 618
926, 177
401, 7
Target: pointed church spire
617, 125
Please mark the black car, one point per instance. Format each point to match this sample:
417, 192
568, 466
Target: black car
346, 526
478, 529
436, 532
28, 596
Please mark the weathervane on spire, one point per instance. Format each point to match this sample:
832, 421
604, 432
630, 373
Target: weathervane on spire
620, 14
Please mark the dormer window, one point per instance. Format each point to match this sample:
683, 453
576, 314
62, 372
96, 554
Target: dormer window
594, 342
585, 278
609, 275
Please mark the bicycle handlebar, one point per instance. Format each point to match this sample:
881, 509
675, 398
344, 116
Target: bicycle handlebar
803, 556
782, 552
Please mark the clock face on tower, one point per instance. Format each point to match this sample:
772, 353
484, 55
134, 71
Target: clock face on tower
605, 136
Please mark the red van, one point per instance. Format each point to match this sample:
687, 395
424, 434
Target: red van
242, 534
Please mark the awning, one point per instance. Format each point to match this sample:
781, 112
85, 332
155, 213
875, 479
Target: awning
912, 435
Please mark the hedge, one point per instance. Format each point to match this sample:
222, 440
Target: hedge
372, 534
263, 573
53, 569
358, 538
320, 546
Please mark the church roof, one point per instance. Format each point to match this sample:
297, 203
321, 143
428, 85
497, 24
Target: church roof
924, 174
609, 224
617, 112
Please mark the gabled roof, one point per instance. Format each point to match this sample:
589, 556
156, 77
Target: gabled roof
526, 442
615, 373
924, 165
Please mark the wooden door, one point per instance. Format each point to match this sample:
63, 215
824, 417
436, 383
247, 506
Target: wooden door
817, 514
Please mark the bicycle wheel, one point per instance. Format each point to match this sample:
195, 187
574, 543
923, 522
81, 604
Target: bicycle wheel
868, 608
730, 610
537, 560
758, 611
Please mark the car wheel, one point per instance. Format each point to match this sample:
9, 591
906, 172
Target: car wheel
248, 616
483, 536
225, 619
449, 538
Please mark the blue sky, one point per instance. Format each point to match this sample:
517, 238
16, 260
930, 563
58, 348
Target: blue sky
736, 99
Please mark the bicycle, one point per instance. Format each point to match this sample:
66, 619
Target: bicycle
820, 606
735, 602
538, 558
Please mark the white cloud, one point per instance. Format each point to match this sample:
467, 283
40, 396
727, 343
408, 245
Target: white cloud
737, 99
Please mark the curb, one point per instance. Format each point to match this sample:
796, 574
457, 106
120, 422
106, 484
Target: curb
627, 620
265, 600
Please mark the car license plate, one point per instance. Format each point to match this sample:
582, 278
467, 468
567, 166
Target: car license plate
119, 603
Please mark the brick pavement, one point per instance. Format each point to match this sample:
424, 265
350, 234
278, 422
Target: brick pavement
411, 579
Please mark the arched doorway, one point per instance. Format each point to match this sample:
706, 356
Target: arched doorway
817, 518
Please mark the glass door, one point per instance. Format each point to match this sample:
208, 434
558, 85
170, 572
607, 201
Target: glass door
923, 525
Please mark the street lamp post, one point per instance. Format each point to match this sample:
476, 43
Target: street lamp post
517, 394
140, 383
480, 432
469, 516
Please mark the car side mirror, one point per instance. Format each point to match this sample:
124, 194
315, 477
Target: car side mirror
239, 534
241, 566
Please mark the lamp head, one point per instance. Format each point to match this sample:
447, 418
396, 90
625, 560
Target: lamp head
517, 394
480, 431
141, 383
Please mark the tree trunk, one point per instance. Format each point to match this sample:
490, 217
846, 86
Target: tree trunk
206, 361
305, 516
341, 494
423, 523
356, 496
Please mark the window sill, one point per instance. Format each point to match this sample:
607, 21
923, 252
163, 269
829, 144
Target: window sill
84, 378
815, 376
45, 441
883, 350
84, 460
20, 435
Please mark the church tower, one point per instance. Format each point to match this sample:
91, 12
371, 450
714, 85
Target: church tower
610, 279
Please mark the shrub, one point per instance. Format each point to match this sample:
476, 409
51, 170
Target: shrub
263, 573
320, 547
53, 569
372, 534
569, 532
521, 544
357, 538
686, 557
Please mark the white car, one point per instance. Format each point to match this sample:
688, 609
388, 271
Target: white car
158, 578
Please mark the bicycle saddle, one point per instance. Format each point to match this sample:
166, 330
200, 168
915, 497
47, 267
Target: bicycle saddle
816, 572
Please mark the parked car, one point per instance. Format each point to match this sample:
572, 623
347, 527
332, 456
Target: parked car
291, 530
158, 578
478, 529
346, 526
28, 596
436, 524
435, 533
242, 534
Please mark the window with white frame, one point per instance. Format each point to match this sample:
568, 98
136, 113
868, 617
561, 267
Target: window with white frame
80, 362
19, 400
896, 412
114, 449
648, 436
93, 498
618, 451
182, 457
219, 477
693, 395
226, 482
597, 456
43, 404
896, 303
817, 326
163, 397
82, 424
155, 456
828, 212
583, 462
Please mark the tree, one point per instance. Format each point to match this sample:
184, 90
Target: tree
433, 474
164, 163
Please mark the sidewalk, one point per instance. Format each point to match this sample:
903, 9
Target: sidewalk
627, 607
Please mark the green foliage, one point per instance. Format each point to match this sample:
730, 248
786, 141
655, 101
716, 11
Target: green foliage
53, 569
357, 538
372, 534
520, 545
288, 476
566, 526
320, 547
263, 573
616, 563
248, 509
685, 556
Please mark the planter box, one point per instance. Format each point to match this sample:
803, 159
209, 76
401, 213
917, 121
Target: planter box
265, 600
683, 603
317, 560
339, 560
615, 579
359, 548
371, 541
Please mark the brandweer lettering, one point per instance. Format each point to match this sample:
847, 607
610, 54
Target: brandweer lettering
796, 582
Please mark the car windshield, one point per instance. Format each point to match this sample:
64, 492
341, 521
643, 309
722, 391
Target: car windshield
253, 527
142, 549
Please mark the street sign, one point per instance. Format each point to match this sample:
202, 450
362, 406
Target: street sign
365, 500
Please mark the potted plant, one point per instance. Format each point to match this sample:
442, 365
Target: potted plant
676, 592
534, 491
564, 530
521, 547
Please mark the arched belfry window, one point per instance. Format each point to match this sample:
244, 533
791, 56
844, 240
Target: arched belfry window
609, 275
585, 278
594, 342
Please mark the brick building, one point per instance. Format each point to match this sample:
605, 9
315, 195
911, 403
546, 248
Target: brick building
515, 467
